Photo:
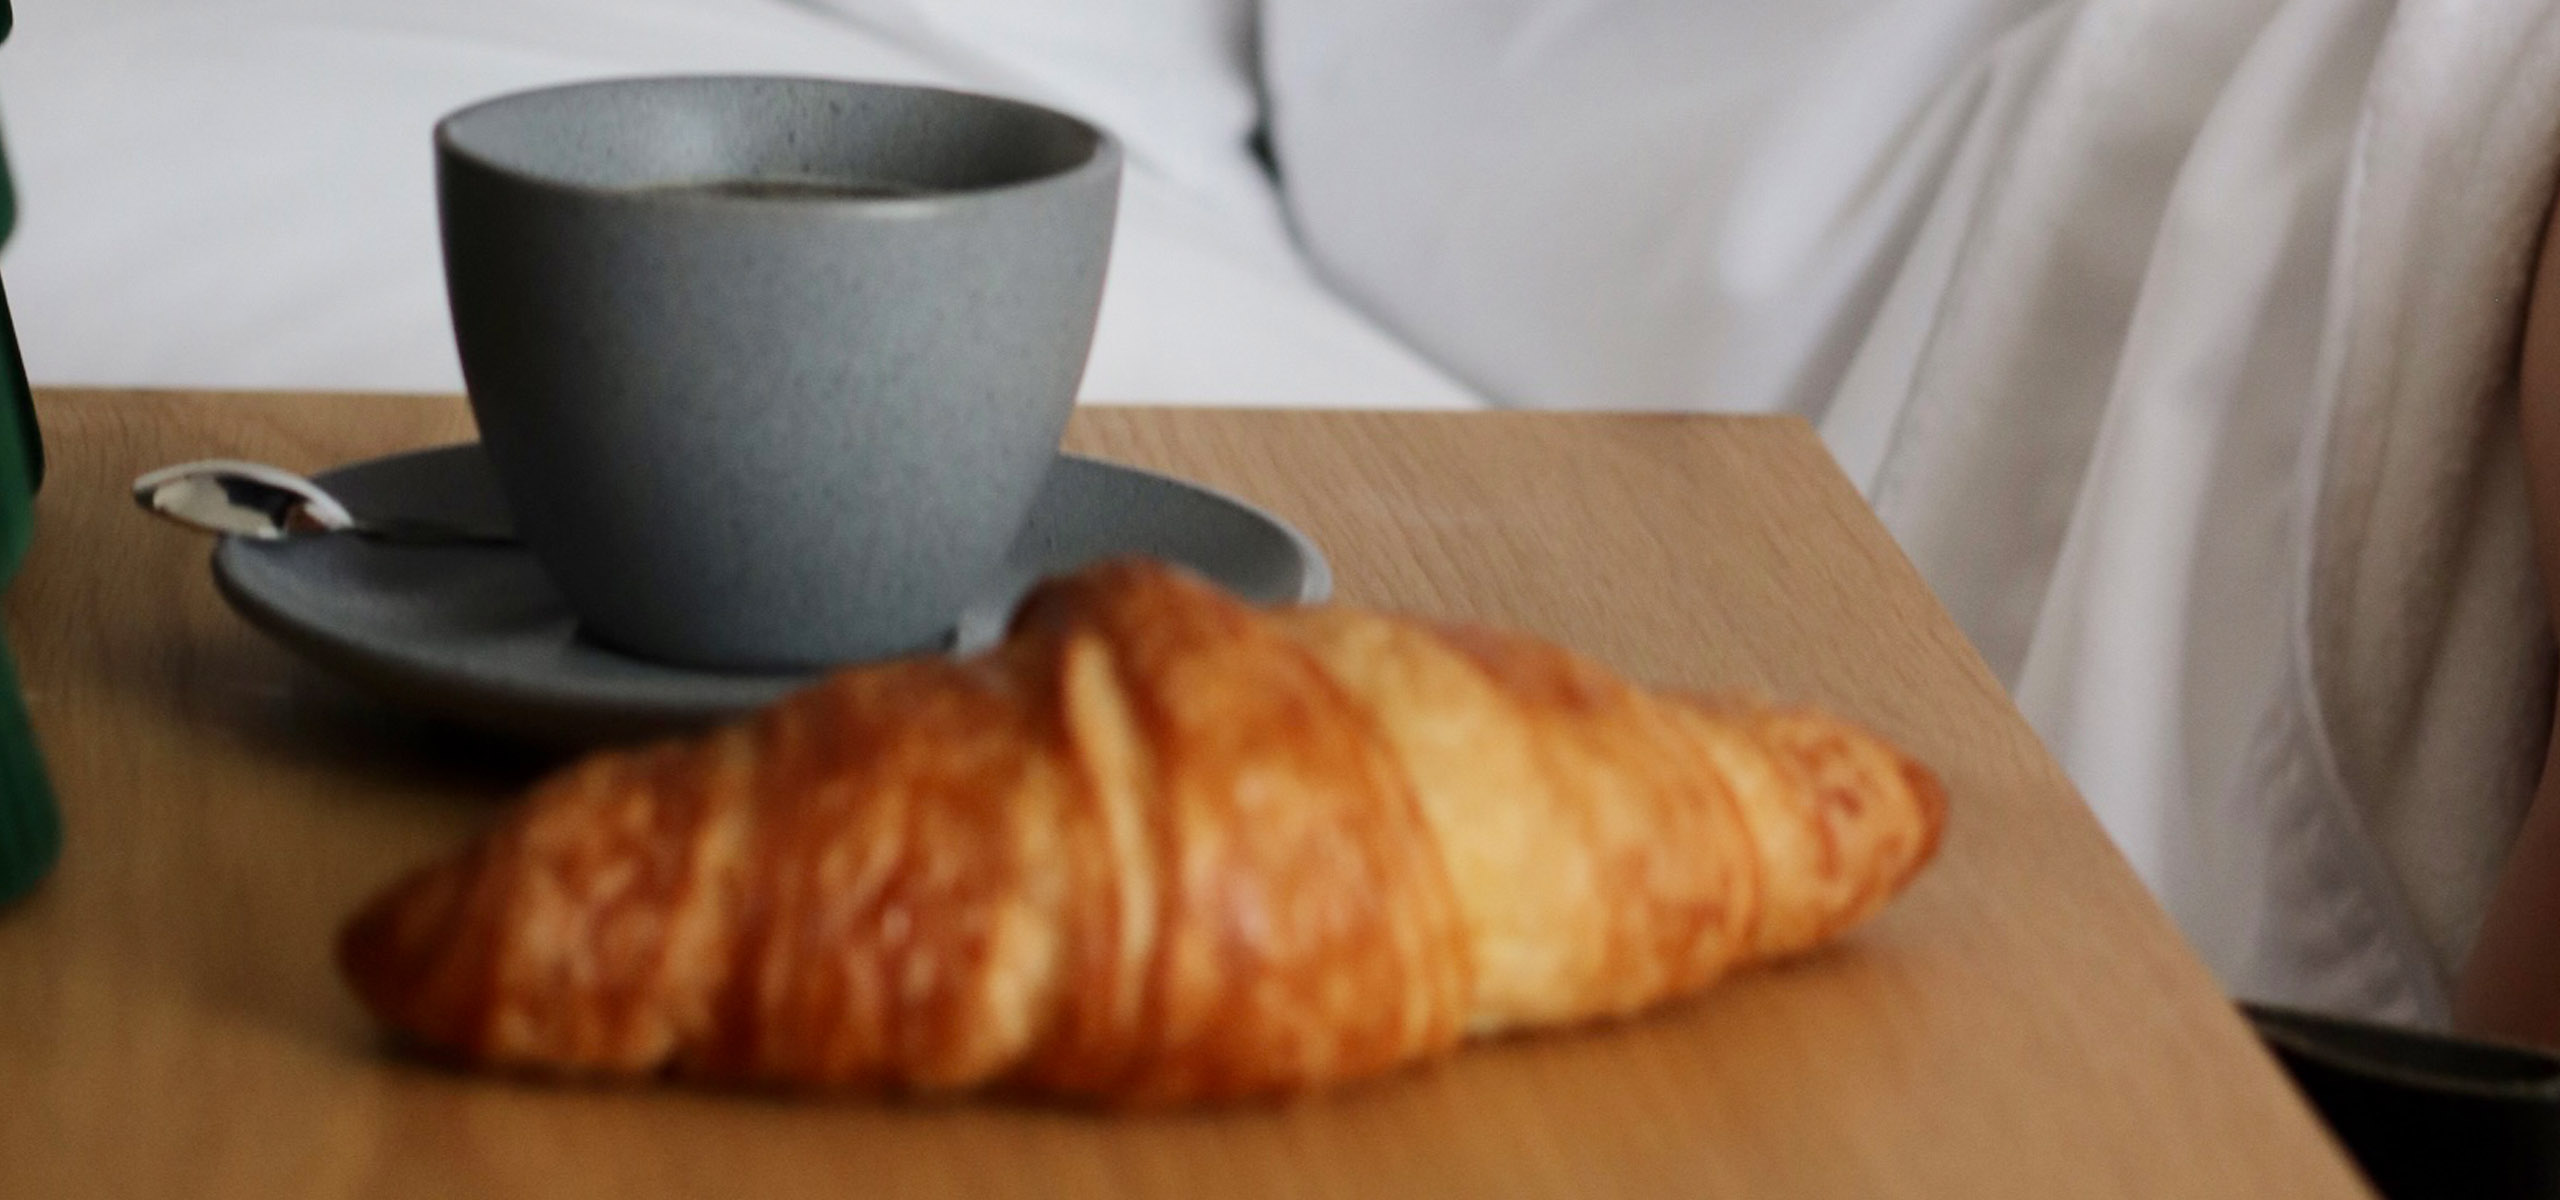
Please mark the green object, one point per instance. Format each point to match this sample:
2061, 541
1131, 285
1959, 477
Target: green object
30, 824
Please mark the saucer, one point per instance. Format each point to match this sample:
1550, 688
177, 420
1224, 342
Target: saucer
478, 635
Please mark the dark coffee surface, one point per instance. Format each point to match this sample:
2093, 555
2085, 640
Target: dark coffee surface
787, 188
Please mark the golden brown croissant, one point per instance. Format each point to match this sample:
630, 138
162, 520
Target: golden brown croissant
1157, 846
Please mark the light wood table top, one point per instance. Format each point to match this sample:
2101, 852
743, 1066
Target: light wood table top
2024, 1023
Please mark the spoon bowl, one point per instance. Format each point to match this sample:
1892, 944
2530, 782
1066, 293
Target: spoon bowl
270, 504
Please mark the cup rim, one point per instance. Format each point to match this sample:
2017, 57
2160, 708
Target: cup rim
1104, 154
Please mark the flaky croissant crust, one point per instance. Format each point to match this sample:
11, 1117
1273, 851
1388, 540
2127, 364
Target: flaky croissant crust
1158, 846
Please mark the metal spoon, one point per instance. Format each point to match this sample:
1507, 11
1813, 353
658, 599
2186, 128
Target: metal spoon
270, 504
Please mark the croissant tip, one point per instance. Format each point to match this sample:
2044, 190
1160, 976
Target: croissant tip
366, 955
1929, 795
396, 950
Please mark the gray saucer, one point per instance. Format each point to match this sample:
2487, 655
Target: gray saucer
479, 636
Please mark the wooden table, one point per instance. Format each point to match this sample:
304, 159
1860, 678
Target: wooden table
2024, 1023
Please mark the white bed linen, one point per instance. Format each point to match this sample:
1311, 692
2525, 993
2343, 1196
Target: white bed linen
238, 193
1618, 204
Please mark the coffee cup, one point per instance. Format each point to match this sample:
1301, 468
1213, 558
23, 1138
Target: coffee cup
771, 370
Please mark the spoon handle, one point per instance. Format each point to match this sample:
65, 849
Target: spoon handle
401, 531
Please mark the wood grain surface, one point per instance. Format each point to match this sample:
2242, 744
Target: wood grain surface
2025, 1023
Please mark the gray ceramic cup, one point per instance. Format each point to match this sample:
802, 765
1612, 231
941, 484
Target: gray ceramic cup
771, 370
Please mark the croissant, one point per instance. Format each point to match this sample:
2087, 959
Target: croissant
1156, 847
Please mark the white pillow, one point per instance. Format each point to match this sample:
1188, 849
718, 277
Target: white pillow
1619, 203
240, 194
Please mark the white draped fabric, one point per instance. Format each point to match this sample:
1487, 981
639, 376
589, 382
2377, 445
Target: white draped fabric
2276, 608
